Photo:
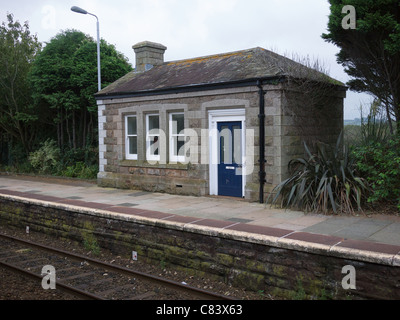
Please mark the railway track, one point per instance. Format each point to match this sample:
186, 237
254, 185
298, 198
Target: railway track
88, 278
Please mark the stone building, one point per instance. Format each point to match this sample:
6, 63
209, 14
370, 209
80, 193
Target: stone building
226, 124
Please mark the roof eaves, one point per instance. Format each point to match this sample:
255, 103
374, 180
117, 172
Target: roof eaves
191, 88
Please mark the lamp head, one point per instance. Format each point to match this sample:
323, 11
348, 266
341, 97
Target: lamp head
78, 10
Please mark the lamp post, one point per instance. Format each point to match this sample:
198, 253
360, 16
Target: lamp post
82, 11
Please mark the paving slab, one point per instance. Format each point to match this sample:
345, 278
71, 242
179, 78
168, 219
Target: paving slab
227, 213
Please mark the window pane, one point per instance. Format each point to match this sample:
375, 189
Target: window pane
132, 145
154, 146
178, 146
237, 144
225, 145
132, 129
181, 149
178, 123
154, 122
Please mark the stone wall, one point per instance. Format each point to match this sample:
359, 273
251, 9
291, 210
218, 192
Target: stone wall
190, 179
303, 120
289, 122
257, 263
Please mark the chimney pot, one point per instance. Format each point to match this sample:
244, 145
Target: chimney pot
148, 55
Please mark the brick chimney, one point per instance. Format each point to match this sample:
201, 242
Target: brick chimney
148, 55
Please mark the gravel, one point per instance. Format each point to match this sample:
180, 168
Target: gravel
16, 287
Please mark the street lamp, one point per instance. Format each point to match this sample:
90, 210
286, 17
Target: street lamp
82, 11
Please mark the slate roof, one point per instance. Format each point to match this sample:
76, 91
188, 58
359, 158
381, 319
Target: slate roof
239, 66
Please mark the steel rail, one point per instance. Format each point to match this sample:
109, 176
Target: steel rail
60, 285
197, 292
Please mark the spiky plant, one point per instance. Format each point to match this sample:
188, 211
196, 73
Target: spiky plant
327, 181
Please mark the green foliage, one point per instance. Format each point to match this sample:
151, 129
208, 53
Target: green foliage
377, 156
46, 159
379, 162
89, 239
89, 156
374, 128
73, 163
371, 52
326, 181
65, 72
18, 48
48, 95
80, 163
81, 170
64, 81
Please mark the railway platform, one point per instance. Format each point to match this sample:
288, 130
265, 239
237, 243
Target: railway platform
249, 245
214, 211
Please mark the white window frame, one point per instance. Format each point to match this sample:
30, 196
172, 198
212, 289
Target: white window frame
149, 156
172, 135
128, 155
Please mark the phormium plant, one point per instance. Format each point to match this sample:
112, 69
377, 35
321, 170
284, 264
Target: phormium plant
327, 181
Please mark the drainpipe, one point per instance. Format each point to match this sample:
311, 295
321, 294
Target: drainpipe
262, 161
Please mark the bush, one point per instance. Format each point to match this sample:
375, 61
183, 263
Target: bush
326, 181
46, 159
87, 155
79, 163
379, 163
80, 170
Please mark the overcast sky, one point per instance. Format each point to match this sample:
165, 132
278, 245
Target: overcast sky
193, 28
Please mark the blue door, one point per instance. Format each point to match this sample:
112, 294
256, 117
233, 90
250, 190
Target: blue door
230, 159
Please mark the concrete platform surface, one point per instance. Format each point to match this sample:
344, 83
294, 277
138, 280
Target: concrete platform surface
219, 211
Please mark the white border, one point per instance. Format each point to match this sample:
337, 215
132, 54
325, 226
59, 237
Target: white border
130, 156
102, 135
153, 133
224, 115
172, 157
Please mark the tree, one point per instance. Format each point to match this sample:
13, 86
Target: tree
64, 80
18, 49
370, 53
